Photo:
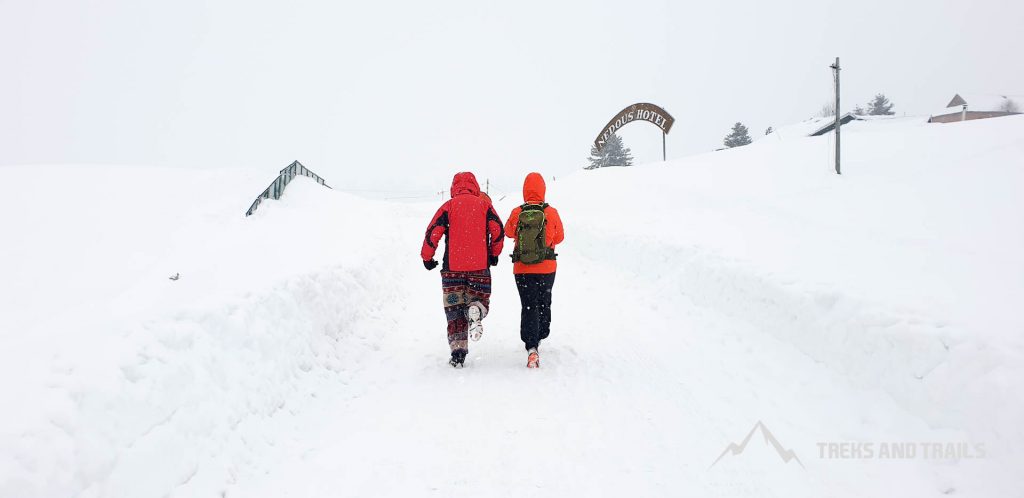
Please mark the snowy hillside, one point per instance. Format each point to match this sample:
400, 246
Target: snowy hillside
302, 350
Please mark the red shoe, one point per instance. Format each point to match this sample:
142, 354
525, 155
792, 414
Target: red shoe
534, 359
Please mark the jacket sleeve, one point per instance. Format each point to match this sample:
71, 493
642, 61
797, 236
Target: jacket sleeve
510, 225
437, 228
494, 235
555, 232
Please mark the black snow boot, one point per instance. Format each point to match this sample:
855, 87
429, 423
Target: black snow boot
458, 358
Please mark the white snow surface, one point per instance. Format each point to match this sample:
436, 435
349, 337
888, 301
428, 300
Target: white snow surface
302, 352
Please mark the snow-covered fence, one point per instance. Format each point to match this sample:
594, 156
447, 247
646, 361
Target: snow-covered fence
276, 187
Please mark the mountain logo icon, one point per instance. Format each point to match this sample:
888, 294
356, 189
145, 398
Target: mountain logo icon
785, 454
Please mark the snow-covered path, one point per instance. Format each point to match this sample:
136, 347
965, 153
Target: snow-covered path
639, 393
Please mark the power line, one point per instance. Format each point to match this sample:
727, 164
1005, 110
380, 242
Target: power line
431, 196
383, 191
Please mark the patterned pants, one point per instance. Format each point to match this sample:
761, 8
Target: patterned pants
462, 288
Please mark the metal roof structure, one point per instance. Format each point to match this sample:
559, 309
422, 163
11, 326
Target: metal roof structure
276, 188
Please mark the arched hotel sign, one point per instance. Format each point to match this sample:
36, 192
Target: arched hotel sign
637, 112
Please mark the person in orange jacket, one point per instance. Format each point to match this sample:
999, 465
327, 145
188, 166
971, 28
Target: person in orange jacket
537, 229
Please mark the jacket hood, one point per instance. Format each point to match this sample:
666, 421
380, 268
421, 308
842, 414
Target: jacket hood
534, 188
465, 183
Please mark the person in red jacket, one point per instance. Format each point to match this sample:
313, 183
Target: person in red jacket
473, 241
537, 229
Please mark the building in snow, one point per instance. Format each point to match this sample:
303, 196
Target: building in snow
831, 124
285, 176
965, 107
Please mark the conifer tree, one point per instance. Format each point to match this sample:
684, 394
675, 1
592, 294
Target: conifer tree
880, 106
614, 153
739, 136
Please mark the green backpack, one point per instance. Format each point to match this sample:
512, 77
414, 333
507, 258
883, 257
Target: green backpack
531, 237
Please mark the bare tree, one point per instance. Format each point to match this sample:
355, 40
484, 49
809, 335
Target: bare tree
827, 110
1009, 106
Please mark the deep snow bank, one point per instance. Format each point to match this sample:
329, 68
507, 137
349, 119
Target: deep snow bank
120, 382
903, 273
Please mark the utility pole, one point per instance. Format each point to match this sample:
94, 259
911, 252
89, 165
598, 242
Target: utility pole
835, 71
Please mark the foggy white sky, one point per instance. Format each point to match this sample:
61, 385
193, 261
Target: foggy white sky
399, 95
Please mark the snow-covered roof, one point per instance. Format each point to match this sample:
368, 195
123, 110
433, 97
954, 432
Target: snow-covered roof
947, 110
830, 124
809, 127
801, 129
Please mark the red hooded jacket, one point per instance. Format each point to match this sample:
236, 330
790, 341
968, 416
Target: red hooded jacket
533, 193
470, 226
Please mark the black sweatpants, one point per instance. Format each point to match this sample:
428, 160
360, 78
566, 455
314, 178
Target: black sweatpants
535, 298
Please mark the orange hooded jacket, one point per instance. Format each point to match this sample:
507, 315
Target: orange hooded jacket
533, 193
